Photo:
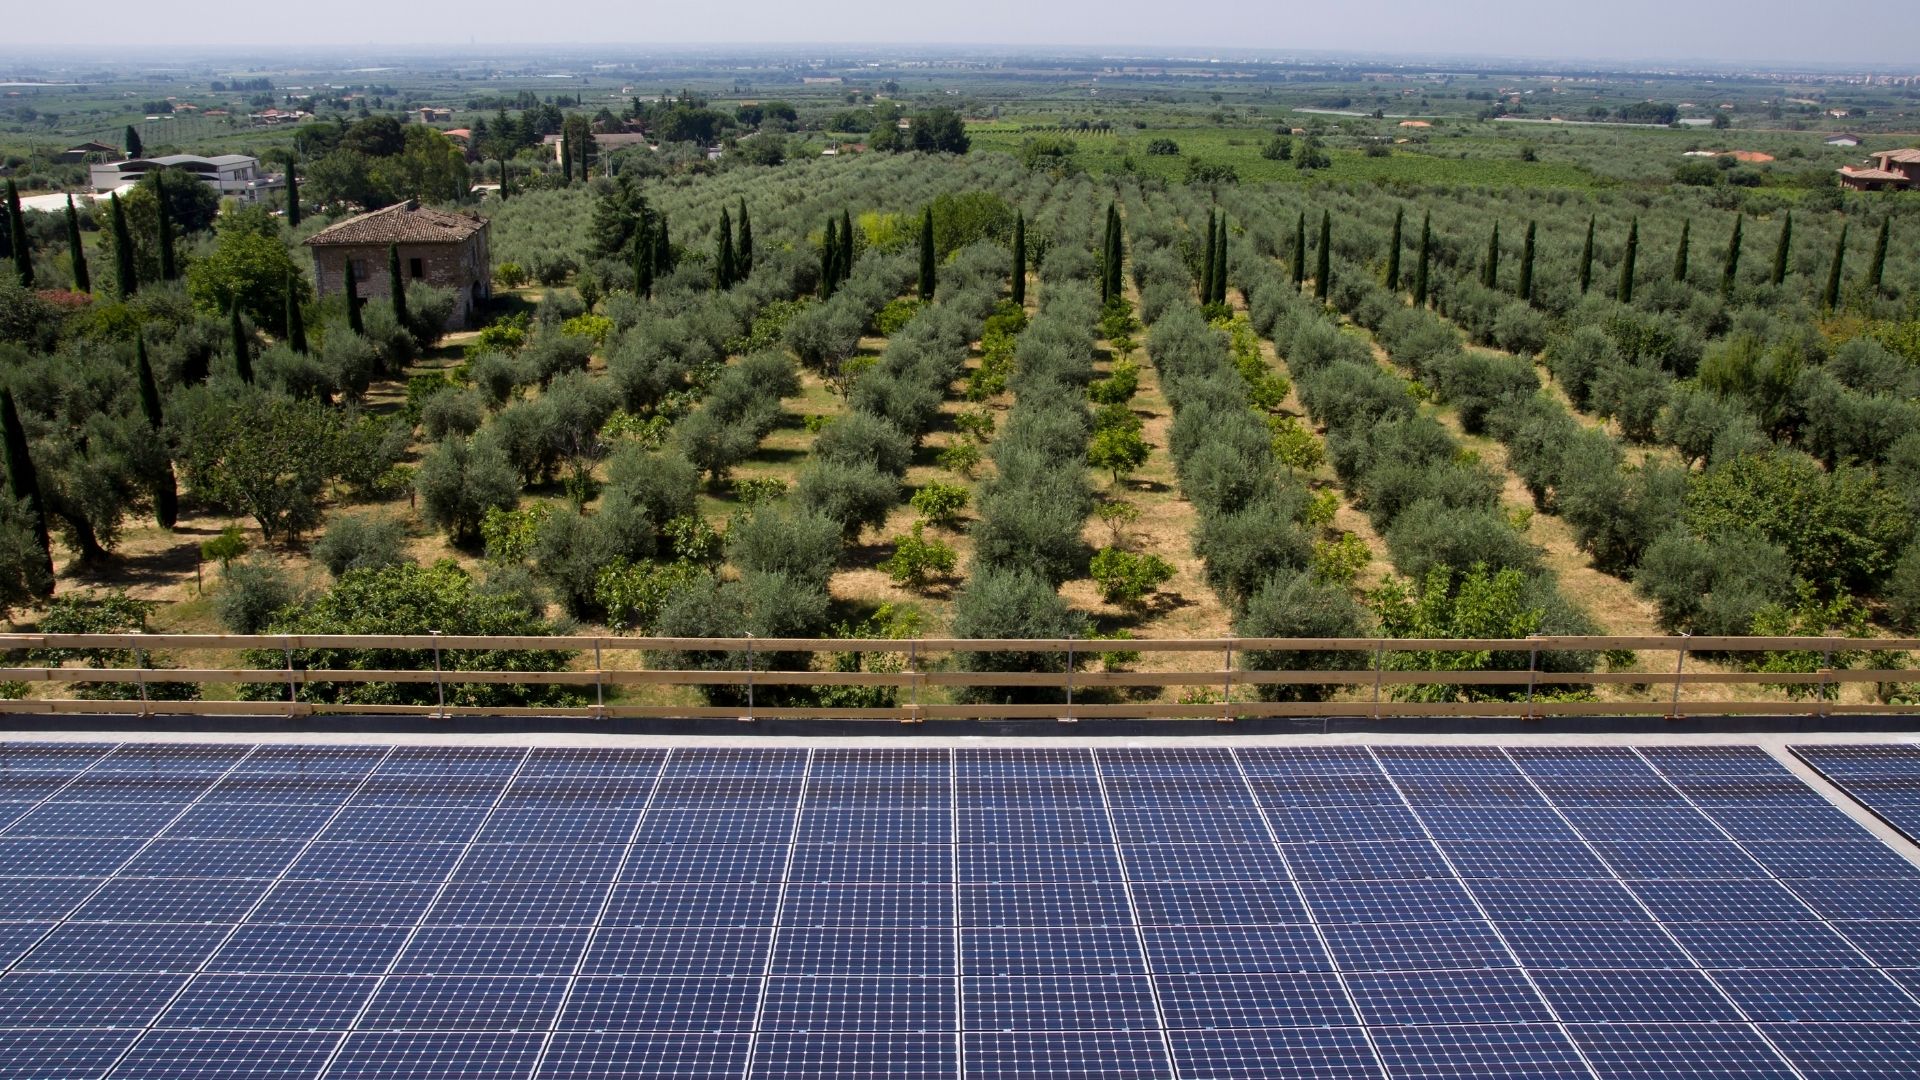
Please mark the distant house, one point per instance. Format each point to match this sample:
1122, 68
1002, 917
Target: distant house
1843, 139
87, 151
604, 144
1892, 170
434, 114
235, 175
441, 249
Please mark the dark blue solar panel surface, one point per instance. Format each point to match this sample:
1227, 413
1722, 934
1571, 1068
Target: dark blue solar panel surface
203, 910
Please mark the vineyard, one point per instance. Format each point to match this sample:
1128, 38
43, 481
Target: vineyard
897, 396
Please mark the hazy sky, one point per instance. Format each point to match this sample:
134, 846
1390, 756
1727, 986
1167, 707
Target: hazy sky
1872, 32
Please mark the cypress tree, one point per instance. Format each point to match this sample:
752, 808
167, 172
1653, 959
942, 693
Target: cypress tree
1730, 272
166, 496
743, 255
1393, 251
168, 270
723, 256
1020, 257
1300, 250
242, 354
1116, 277
506, 182
23, 481
1206, 263
1832, 297
1490, 270
1783, 250
1627, 261
296, 319
643, 262
293, 195
1220, 264
846, 246
1526, 264
927, 272
1879, 264
1420, 267
132, 140
17, 238
1323, 269
830, 259
662, 250
1586, 259
1680, 254
77, 252
354, 321
566, 157
396, 287
129, 281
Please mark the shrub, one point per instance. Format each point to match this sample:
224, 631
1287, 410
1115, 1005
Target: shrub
1012, 603
1339, 562
553, 352
1902, 593
803, 545
1842, 529
1477, 384
853, 496
507, 536
941, 503
451, 413
568, 552
1713, 588
459, 481
1520, 329
1577, 359
1444, 602
1295, 605
661, 485
1118, 387
251, 592
916, 559
1431, 534
361, 542
858, 438
1032, 528
1120, 451
1632, 395
764, 605
1127, 577
716, 443
961, 456
1242, 550
632, 593
891, 319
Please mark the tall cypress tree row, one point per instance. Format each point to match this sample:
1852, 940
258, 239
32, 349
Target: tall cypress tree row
1019, 267
1300, 250
1783, 250
296, 319
18, 241
355, 321
743, 256
723, 254
1525, 291
166, 495
168, 269
23, 481
1878, 266
566, 157
662, 250
1206, 262
1220, 263
1730, 270
1490, 270
927, 271
1832, 297
1627, 261
1420, 267
1681, 253
1323, 269
1586, 259
293, 195
1393, 251
396, 286
830, 259
129, 281
77, 251
846, 246
1116, 258
242, 351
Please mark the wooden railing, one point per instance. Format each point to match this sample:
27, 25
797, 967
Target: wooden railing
1366, 691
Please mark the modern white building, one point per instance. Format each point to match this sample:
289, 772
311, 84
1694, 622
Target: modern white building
235, 175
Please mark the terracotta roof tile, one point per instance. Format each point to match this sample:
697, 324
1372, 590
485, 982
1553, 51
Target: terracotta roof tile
401, 223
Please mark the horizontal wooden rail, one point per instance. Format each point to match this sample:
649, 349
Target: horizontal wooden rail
296, 661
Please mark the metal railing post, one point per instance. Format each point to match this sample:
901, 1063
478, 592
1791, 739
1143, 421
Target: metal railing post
1679, 665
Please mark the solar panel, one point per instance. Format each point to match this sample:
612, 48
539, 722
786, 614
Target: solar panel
1292, 911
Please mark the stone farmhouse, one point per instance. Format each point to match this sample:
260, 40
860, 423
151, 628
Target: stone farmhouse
442, 249
1892, 170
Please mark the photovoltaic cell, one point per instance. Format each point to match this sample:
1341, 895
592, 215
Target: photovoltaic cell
759, 911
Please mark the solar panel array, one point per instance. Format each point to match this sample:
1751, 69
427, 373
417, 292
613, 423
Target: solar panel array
1884, 778
221, 911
